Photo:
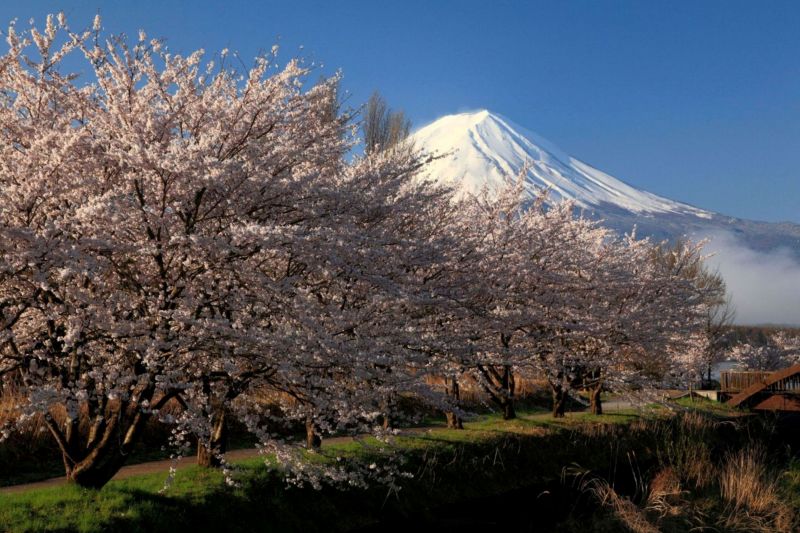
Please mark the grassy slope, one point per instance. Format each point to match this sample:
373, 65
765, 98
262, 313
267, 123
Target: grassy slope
200, 500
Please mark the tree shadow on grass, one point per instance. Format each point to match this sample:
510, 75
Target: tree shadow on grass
265, 503
445, 473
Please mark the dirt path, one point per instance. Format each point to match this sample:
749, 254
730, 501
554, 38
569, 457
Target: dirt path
611, 406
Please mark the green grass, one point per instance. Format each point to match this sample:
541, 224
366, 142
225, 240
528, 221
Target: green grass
133, 504
709, 406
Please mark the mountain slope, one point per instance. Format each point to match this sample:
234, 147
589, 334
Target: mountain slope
483, 149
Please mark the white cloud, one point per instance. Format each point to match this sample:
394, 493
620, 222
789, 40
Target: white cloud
764, 286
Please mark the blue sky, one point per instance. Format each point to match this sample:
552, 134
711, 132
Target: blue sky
698, 101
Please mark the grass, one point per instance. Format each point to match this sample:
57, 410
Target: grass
659, 470
704, 404
745, 481
708, 473
790, 483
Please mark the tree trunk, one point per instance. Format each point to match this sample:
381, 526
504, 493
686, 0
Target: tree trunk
593, 383
208, 456
454, 421
112, 447
559, 401
452, 389
387, 407
509, 412
596, 405
93, 461
499, 385
94, 474
313, 440
509, 386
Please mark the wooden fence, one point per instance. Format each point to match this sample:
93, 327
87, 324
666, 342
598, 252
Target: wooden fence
736, 381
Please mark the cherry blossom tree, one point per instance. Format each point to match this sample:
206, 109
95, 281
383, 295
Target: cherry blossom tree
699, 347
649, 314
174, 230
541, 291
483, 313
512, 290
781, 350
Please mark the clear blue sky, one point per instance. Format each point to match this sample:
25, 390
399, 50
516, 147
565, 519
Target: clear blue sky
695, 100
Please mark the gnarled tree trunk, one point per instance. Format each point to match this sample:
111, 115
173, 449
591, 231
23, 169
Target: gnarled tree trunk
509, 386
594, 384
509, 412
453, 420
500, 384
92, 459
387, 407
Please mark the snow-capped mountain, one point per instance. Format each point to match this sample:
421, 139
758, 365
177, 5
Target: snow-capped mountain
482, 149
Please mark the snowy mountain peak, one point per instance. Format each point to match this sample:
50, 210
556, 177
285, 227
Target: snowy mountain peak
484, 149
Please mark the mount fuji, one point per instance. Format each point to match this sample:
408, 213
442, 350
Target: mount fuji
485, 150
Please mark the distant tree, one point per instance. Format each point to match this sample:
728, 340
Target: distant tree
717, 308
780, 351
383, 128
633, 315
757, 335
719, 316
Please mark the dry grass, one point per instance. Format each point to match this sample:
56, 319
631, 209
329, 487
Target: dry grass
743, 481
10, 398
666, 493
624, 509
471, 393
740, 491
684, 446
751, 490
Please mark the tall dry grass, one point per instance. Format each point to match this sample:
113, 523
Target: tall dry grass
471, 393
692, 487
665, 493
627, 512
10, 398
750, 488
684, 444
